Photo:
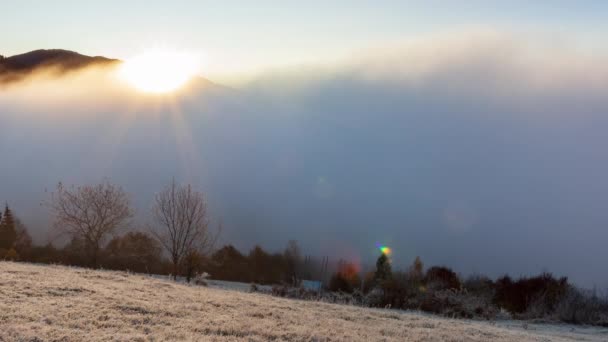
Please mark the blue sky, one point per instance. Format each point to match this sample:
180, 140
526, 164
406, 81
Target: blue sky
234, 37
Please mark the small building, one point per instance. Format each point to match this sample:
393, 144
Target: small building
314, 285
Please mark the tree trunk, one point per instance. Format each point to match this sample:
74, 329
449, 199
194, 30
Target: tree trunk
175, 267
94, 250
94, 258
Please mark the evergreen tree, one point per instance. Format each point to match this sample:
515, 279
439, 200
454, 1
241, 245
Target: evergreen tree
23, 241
417, 269
8, 233
383, 268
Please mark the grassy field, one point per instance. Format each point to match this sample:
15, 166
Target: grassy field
55, 303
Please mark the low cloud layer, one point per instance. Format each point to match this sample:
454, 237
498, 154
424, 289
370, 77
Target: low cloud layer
484, 154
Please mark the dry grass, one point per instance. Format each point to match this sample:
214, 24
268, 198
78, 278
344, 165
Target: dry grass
55, 303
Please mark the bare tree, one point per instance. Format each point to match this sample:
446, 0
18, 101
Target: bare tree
293, 258
181, 223
91, 213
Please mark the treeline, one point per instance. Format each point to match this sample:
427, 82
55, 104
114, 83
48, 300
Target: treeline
96, 220
440, 290
134, 251
14, 237
142, 252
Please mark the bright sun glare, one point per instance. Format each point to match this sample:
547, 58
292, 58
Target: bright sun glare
159, 70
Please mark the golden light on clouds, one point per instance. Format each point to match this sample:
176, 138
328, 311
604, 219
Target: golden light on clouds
159, 70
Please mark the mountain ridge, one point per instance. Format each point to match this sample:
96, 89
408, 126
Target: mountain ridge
60, 61
17, 67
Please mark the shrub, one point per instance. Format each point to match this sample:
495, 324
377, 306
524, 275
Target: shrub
8, 232
463, 304
265, 268
479, 285
395, 290
9, 254
279, 291
23, 242
578, 307
533, 297
401, 290
201, 279
338, 282
374, 298
74, 253
441, 278
369, 282
192, 264
346, 279
47, 254
383, 268
228, 263
134, 251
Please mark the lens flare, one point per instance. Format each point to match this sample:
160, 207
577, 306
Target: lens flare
385, 249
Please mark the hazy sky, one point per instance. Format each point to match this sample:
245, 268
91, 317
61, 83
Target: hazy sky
237, 37
470, 133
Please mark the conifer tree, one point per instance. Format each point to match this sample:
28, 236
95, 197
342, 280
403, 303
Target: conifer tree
383, 268
8, 233
417, 268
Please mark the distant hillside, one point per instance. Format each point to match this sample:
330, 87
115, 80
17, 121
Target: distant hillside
16, 67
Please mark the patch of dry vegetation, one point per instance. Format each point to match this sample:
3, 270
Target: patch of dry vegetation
56, 303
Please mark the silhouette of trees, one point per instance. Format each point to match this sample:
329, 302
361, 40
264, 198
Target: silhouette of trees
192, 264
293, 259
8, 233
227, 263
8, 236
182, 223
416, 271
74, 253
134, 251
23, 240
261, 265
46, 254
543, 291
440, 278
258, 266
91, 213
346, 279
383, 268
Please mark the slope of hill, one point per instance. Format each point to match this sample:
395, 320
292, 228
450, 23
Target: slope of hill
52, 303
59, 62
14, 68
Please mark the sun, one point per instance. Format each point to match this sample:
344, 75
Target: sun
159, 71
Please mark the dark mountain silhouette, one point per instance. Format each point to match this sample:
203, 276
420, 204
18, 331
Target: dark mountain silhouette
59, 62
16, 67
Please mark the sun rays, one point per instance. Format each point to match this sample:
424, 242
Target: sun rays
159, 71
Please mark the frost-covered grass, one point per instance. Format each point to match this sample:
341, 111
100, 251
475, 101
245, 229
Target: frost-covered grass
219, 284
56, 303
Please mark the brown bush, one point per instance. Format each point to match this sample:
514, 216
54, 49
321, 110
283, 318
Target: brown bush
578, 307
346, 279
134, 251
533, 297
441, 278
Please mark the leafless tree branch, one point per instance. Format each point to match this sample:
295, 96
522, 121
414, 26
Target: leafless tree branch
181, 222
91, 213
